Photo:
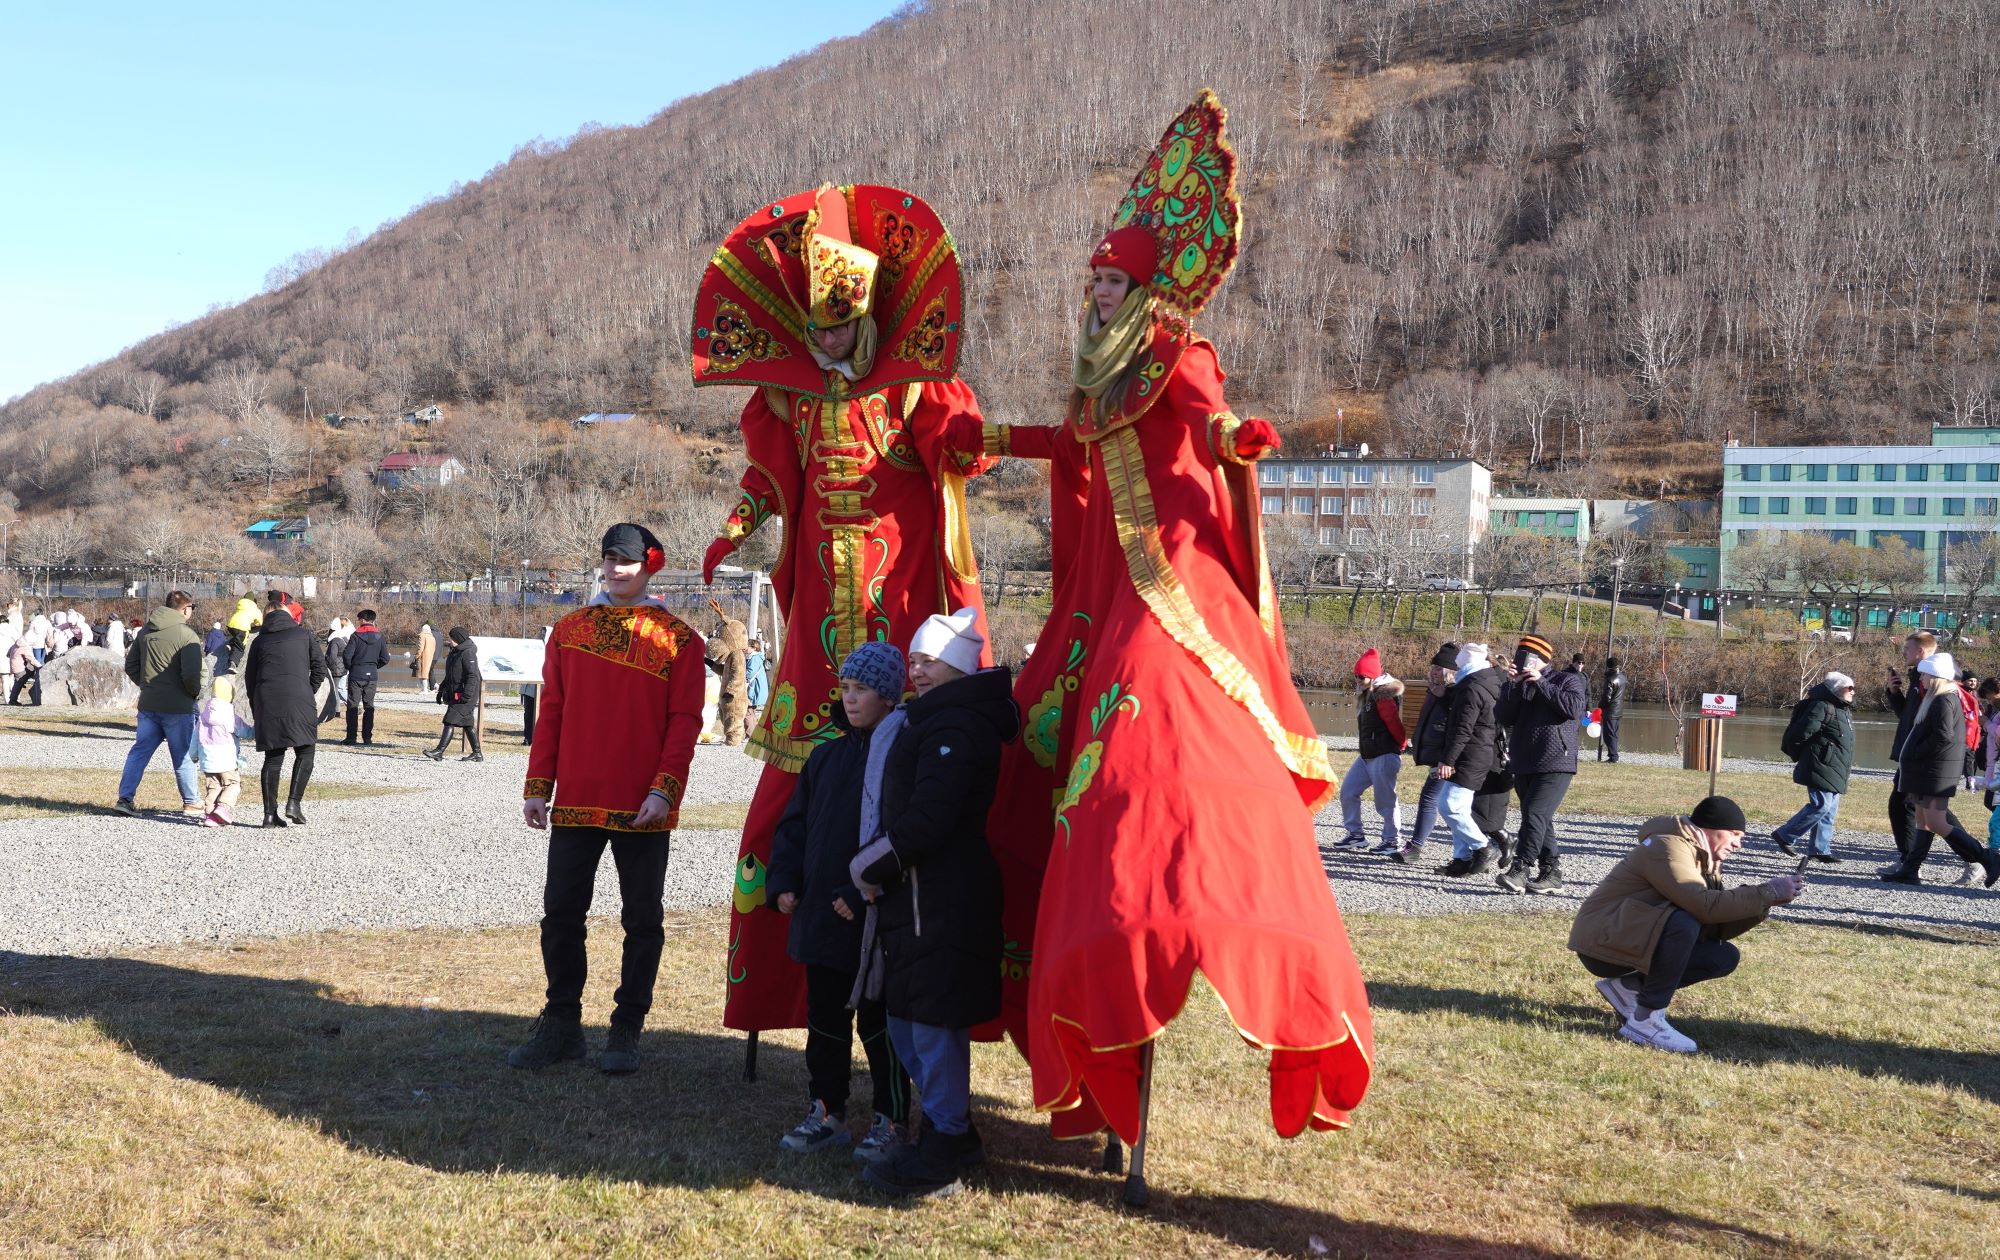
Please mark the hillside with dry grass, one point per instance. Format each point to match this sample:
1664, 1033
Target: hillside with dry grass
1582, 241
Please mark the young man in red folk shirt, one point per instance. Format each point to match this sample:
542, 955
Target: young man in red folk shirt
621, 706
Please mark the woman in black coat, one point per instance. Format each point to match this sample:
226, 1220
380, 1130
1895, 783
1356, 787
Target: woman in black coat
1930, 769
284, 670
459, 693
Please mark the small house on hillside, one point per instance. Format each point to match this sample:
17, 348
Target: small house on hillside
424, 415
418, 468
280, 533
596, 418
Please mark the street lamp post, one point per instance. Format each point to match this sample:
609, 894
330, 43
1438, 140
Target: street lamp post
1617, 578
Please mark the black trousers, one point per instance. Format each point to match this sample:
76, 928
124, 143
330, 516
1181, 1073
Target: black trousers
361, 704
1680, 959
830, 1046
274, 769
1610, 725
1540, 795
528, 706
1489, 812
574, 854
32, 682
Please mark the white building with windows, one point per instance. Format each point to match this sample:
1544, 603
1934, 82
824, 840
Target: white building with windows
1430, 513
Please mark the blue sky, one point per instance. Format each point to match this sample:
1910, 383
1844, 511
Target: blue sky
157, 160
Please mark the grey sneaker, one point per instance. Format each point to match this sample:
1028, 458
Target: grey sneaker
817, 1132
126, 807
553, 1041
1623, 997
884, 1136
1514, 881
1545, 883
621, 1052
1385, 848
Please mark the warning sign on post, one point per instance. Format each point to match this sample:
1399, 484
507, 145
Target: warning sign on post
1715, 704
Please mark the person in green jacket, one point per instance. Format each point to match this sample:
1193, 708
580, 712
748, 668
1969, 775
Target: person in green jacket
1820, 742
164, 662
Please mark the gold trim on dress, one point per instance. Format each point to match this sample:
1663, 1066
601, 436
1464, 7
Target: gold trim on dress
996, 439
1160, 587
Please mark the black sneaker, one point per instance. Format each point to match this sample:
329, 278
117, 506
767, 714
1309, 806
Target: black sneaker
1385, 848
819, 1131
127, 808
1482, 861
553, 1041
1514, 881
1900, 876
1546, 882
621, 1052
929, 1168
1784, 845
1826, 859
1457, 868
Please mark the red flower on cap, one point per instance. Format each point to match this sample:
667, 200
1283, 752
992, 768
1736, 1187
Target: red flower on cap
655, 560
1130, 249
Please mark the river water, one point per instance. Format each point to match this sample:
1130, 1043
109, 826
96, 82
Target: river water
1647, 728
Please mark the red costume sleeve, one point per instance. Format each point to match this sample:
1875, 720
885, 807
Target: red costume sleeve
1391, 714
772, 482
683, 722
946, 428
548, 730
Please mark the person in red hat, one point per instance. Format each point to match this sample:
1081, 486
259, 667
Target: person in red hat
1161, 719
1378, 722
622, 682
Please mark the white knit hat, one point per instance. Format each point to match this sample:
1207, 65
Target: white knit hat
1938, 665
1838, 681
953, 639
1472, 652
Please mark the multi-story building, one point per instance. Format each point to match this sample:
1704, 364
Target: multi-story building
1568, 519
1931, 497
1358, 505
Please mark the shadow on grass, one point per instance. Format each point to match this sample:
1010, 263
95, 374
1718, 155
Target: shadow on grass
1738, 1041
1970, 1192
1637, 1221
429, 1085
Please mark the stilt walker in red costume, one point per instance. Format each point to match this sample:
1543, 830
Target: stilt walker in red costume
1158, 816
840, 309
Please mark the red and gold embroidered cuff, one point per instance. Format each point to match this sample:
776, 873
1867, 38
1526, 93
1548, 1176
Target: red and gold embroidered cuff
670, 787
996, 438
539, 790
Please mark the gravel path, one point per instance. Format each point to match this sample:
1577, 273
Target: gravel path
448, 849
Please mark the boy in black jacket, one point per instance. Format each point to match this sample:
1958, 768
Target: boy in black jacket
814, 841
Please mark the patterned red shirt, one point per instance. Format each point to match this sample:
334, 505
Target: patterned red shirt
620, 709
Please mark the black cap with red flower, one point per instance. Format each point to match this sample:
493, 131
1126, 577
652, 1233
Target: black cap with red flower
634, 542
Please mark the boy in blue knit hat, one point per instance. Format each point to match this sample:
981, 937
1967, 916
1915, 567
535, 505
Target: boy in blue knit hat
818, 835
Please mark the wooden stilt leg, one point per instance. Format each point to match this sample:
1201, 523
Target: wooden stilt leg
1135, 1180
1114, 1154
750, 1058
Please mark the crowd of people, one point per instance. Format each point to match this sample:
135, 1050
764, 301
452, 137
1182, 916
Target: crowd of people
30, 643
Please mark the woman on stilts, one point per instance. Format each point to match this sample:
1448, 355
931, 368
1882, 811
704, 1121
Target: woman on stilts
1161, 717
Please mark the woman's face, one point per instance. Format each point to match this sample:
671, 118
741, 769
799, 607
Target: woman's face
1108, 287
927, 672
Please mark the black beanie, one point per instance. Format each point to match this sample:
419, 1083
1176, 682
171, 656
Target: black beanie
1446, 657
1719, 813
457, 634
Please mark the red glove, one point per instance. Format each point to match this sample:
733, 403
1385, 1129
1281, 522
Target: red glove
1255, 438
966, 433
718, 551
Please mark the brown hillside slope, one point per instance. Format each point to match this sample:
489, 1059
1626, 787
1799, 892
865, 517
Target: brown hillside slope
1545, 233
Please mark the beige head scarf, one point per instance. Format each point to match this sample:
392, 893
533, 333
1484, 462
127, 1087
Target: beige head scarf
856, 365
1104, 351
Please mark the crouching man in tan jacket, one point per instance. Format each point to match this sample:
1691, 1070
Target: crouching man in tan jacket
1661, 920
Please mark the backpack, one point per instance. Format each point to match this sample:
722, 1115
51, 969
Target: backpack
1793, 743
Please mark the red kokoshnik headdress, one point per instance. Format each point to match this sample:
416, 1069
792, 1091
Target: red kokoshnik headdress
818, 259
1185, 198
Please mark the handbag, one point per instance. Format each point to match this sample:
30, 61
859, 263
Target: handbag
1497, 779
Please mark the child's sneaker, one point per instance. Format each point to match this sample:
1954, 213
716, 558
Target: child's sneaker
883, 1137
222, 818
209, 820
817, 1132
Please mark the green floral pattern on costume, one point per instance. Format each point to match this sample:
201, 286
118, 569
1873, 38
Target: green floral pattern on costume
1091, 756
1044, 727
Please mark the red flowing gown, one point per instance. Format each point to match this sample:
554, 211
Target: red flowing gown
1157, 816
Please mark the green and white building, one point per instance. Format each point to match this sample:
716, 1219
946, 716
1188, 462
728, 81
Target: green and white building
1931, 497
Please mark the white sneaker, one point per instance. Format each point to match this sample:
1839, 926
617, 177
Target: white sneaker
1623, 997
1655, 1031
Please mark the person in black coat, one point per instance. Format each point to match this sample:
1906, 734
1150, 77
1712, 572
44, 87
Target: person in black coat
283, 673
365, 656
1427, 746
1930, 769
1901, 697
1469, 763
936, 888
815, 839
1611, 707
459, 693
1539, 709
1820, 741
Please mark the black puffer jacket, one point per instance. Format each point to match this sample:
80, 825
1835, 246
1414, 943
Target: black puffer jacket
366, 655
1933, 761
1902, 701
1427, 745
1472, 728
939, 916
1540, 718
1820, 739
459, 692
816, 838
283, 673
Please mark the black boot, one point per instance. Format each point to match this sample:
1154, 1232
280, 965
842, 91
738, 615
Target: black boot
472, 737
271, 818
928, 1168
1548, 880
1482, 861
555, 1040
302, 768
267, 783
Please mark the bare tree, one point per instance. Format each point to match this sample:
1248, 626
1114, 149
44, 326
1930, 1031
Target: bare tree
267, 445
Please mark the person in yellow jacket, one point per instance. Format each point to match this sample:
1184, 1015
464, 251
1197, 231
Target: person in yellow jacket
247, 617
1662, 920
